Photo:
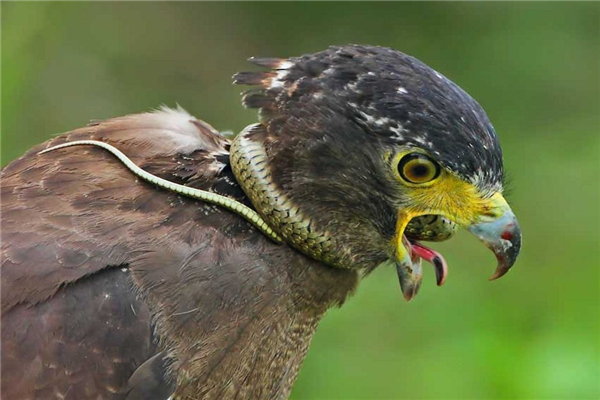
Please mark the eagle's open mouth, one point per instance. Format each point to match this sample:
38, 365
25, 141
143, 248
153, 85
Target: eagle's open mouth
409, 269
497, 229
417, 250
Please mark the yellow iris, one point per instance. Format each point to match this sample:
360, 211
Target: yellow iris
418, 168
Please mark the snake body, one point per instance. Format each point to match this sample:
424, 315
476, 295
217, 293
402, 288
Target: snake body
277, 217
433, 228
223, 201
250, 166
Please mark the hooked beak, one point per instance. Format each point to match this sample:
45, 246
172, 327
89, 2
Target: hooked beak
496, 226
499, 231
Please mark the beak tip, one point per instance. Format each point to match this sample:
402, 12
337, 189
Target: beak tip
494, 277
409, 295
499, 273
410, 289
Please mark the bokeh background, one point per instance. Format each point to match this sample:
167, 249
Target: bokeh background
533, 66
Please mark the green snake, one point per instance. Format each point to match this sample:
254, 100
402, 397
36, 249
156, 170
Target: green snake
250, 167
223, 201
277, 218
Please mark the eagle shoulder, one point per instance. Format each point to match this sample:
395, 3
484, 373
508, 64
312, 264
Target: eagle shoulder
65, 214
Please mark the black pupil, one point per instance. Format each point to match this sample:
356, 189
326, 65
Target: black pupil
420, 170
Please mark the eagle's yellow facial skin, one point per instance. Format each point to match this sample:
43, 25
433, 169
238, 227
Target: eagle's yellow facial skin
450, 197
446, 195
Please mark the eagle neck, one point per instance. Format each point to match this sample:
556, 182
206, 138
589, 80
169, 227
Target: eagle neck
250, 165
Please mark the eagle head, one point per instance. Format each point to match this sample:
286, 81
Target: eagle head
362, 152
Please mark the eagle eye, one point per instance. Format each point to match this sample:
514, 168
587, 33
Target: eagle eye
418, 168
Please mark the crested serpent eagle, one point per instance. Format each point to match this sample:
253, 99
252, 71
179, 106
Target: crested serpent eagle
151, 257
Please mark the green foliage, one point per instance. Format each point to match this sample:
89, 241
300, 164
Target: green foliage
533, 66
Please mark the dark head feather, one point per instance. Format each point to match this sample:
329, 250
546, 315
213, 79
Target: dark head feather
385, 93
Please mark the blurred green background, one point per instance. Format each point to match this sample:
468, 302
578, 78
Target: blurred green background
533, 66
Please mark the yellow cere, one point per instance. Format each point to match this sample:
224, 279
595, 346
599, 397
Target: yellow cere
448, 196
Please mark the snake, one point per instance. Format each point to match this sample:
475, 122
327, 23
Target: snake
214, 198
249, 163
275, 216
